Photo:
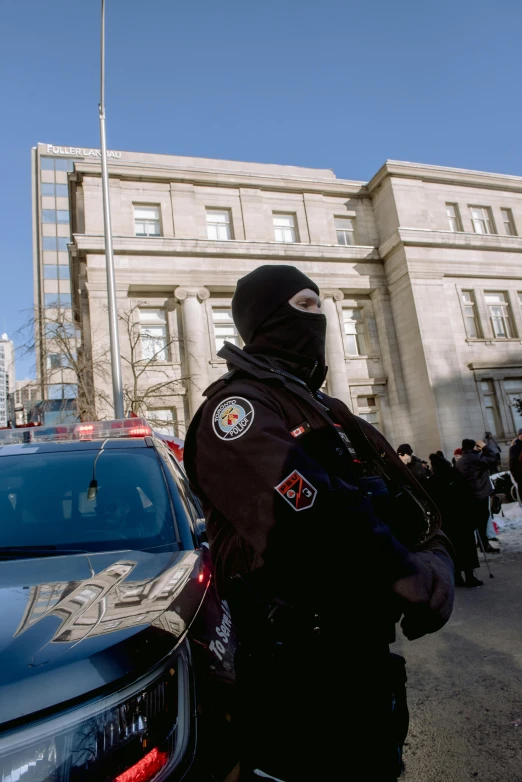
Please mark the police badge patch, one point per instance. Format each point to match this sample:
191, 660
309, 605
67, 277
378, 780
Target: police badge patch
297, 491
232, 418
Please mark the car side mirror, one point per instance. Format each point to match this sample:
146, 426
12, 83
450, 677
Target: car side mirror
202, 531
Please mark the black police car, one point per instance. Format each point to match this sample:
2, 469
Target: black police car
116, 656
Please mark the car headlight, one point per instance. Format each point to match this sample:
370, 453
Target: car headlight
139, 734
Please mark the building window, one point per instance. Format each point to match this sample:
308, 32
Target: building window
60, 329
48, 215
482, 220
54, 190
491, 407
147, 221
354, 338
54, 272
163, 420
55, 216
47, 164
50, 271
49, 243
64, 164
284, 228
56, 164
218, 224
62, 391
509, 223
345, 228
56, 243
513, 390
54, 361
470, 314
368, 409
153, 334
499, 315
51, 300
455, 223
224, 328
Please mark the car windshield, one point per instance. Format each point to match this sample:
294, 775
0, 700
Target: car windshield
91, 500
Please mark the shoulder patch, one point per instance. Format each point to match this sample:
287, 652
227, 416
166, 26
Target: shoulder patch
232, 418
297, 491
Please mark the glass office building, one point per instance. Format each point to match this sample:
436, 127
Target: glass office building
52, 287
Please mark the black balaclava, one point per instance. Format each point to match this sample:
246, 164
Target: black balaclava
270, 326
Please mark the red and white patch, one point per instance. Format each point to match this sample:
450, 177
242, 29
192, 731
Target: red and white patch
297, 491
300, 430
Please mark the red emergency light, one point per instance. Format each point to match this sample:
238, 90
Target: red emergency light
95, 430
146, 768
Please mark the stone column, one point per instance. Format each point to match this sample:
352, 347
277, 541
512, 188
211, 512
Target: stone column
337, 381
194, 343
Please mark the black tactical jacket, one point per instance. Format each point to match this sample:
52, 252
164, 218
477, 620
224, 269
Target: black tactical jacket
474, 466
284, 505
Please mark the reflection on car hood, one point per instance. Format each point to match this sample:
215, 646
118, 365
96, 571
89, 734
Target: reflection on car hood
74, 624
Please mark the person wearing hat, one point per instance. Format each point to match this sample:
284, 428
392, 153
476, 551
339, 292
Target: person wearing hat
475, 465
515, 461
286, 476
414, 464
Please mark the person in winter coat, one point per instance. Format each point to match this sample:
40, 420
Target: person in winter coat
449, 492
414, 464
286, 476
496, 449
515, 461
474, 466
457, 453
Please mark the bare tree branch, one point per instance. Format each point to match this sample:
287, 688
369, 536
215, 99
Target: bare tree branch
63, 358
148, 380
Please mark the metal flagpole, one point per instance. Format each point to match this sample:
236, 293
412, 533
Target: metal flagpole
117, 388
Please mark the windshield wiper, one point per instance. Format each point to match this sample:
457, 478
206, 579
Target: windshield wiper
35, 551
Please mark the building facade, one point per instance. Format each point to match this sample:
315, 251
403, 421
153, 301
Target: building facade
27, 393
419, 271
7, 380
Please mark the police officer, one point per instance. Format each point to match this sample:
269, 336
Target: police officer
287, 477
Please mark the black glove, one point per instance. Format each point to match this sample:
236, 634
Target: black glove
425, 595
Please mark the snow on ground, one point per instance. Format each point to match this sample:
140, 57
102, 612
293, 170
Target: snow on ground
510, 528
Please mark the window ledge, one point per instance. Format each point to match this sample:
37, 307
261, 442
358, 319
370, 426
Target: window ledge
493, 340
160, 364
217, 362
349, 357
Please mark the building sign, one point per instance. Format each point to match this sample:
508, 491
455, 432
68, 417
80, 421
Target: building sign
80, 152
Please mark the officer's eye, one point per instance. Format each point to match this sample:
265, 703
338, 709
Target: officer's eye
305, 304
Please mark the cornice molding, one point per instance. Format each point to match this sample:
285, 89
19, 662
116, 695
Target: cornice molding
426, 237
172, 246
482, 367
445, 175
216, 177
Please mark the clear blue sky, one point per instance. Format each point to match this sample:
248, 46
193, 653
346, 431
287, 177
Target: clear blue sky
326, 83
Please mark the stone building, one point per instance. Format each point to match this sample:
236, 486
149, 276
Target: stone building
419, 270
27, 392
7, 380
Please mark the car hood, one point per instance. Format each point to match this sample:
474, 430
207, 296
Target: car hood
76, 625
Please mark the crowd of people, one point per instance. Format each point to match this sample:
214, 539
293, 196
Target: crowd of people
462, 490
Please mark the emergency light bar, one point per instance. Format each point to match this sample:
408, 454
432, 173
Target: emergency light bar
95, 430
